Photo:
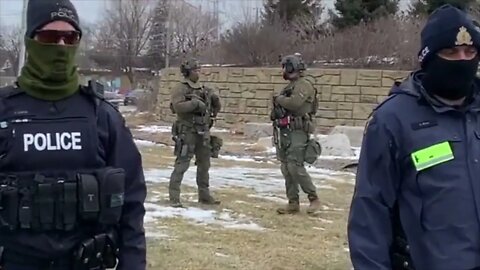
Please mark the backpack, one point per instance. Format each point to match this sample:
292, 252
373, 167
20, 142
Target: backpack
314, 110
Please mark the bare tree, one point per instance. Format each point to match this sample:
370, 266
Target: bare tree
192, 29
10, 44
123, 36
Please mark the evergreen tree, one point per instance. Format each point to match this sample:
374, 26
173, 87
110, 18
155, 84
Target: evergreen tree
286, 11
158, 41
420, 7
352, 12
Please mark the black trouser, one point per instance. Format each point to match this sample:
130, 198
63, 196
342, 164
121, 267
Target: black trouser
17, 261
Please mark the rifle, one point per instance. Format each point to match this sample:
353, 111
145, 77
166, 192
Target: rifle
277, 113
202, 121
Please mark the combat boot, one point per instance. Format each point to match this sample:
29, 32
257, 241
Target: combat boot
314, 206
208, 200
176, 203
290, 208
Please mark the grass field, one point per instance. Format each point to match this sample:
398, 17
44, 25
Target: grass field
244, 232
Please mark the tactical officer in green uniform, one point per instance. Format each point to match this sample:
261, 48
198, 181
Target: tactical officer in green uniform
292, 120
196, 106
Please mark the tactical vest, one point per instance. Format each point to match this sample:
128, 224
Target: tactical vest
53, 169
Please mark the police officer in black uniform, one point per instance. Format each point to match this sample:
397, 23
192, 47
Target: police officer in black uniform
71, 179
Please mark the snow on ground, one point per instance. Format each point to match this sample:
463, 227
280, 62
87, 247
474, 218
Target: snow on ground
262, 180
155, 129
168, 129
145, 143
266, 183
225, 218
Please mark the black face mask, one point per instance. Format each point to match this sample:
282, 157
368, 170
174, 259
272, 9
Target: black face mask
450, 79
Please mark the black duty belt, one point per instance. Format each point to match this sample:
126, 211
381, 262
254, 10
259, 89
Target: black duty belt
44, 203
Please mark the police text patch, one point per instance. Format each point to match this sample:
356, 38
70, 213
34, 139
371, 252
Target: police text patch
52, 141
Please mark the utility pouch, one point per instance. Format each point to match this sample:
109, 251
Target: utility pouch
88, 194
9, 208
112, 191
313, 150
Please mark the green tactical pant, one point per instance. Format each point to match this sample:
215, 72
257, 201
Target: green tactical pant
291, 153
195, 145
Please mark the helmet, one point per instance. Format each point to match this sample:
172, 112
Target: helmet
189, 65
293, 63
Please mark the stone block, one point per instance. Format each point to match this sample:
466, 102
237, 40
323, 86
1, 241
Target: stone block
326, 122
327, 79
362, 110
336, 97
257, 103
235, 75
344, 114
322, 105
327, 114
360, 123
259, 94
352, 98
345, 90
373, 83
277, 78
242, 105
227, 93
332, 71
374, 91
222, 75
326, 92
257, 111
369, 75
380, 99
344, 106
368, 99
391, 76
348, 77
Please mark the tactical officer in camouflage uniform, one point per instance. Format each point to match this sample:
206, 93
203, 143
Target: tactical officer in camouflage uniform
196, 107
292, 121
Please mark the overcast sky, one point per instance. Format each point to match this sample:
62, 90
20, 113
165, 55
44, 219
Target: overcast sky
231, 11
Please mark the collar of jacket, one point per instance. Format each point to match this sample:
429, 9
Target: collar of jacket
412, 86
194, 85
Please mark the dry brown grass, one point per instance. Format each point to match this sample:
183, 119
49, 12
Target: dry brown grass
291, 242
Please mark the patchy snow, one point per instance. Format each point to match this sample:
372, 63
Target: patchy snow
156, 235
199, 216
353, 158
221, 255
168, 129
262, 180
145, 143
246, 158
155, 129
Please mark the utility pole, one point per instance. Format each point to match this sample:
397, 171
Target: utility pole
21, 56
169, 33
217, 18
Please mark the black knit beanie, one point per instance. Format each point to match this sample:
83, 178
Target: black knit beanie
42, 12
447, 27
